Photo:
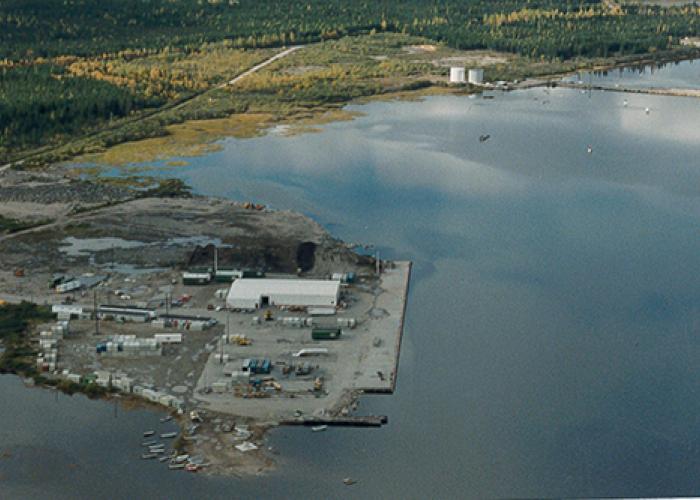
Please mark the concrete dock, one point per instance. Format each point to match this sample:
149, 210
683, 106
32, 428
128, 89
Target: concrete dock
364, 359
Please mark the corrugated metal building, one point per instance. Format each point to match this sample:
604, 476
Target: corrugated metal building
255, 293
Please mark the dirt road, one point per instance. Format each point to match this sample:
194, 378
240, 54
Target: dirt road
172, 106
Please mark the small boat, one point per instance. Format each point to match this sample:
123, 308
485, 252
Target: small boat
163, 459
181, 458
149, 443
148, 433
166, 419
192, 467
625, 103
166, 435
159, 451
319, 428
349, 481
146, 456
484, 137
176, 466
647, 110
590, 149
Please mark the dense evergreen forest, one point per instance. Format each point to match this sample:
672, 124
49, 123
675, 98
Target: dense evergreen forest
41, 102
551, 28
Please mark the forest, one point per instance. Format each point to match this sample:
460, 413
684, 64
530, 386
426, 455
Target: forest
42, 103
550, 28
69, 66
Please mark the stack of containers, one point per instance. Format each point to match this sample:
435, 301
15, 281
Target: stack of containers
295, 321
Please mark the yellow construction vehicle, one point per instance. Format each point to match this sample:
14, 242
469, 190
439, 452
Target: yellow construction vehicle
240, 340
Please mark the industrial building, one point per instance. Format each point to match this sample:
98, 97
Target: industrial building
184, 322
125, 313
255, 293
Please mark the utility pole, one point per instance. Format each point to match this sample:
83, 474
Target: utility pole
97, 316
221, 358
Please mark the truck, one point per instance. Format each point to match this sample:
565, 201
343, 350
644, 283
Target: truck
329, 333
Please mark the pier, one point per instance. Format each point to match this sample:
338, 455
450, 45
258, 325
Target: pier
366, 421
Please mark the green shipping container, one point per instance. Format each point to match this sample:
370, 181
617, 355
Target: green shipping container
325, 333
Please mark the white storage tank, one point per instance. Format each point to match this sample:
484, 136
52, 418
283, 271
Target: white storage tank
476, 76
457, 75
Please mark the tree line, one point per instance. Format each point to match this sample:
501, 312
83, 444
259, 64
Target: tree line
544, 28
54, 82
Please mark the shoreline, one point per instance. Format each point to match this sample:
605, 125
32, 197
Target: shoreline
370, 302
301, 120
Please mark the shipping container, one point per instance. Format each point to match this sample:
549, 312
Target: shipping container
325, 333
191, 278
168, 338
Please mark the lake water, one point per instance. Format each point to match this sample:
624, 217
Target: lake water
682, 74
553, 330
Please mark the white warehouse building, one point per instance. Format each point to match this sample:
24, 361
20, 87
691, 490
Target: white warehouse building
254, 293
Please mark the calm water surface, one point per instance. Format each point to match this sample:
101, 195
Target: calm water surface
553, 329
683, 74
